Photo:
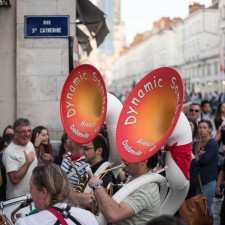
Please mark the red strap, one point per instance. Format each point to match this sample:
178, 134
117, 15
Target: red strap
182, 156
58, 215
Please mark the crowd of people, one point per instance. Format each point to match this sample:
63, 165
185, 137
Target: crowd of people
208, 151
29, 163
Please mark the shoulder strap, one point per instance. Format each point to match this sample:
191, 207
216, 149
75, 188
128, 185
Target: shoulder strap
200, 183
63, 213
58, 215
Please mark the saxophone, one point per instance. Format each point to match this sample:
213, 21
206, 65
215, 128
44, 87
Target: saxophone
82, 180
25, 203
4, 219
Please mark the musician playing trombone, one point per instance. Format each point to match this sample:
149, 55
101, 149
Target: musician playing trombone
140, 206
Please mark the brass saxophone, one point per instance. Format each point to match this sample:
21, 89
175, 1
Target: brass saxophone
82, 180
25, 203
4, 219
109, 189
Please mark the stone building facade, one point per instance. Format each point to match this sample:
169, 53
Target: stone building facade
33, 70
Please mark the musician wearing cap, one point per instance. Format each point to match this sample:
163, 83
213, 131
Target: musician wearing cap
140, 206
50, 190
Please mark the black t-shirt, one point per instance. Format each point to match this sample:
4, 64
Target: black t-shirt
109, 177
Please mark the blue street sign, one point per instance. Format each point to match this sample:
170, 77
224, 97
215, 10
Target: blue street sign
46, 26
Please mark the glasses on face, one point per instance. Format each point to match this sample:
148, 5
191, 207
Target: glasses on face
194, 110
86, 148
22, 132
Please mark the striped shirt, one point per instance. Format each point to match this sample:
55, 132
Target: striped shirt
70, 171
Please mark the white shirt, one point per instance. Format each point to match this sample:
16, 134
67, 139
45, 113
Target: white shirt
13, 159
47, 218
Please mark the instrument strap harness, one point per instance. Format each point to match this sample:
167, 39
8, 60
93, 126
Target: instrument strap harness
62, 214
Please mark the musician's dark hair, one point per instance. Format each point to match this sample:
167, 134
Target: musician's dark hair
153, 161
101, 141
47, 148
166, 219
204, 102
206, 121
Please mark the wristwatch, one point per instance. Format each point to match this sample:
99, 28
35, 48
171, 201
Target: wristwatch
96, 186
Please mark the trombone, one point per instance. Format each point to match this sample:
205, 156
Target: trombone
109, 189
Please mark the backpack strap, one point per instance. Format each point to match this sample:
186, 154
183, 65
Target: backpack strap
61, 214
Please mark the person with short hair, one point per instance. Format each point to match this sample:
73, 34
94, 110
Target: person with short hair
96, 153
206, 110
137, 208
195, 111
50, 191
19, 159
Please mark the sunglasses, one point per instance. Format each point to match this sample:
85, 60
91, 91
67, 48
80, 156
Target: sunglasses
194, 110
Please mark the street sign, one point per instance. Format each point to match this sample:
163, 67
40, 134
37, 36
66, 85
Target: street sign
46, 26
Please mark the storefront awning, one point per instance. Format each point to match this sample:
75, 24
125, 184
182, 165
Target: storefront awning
93, 19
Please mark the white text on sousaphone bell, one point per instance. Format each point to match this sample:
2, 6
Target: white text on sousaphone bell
75, 84
141, 93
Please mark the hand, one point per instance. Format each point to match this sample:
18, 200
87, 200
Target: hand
94, 180
201, 152
38, 140
29, 156
83, 199
218, 192
122, 175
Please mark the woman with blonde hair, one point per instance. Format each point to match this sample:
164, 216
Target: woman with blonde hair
50, 191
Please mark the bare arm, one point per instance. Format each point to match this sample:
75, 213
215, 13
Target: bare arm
17, 176
220, 182
113, 211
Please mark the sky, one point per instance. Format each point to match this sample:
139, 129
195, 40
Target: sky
138, 15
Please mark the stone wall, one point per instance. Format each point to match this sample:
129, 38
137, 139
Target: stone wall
38, 67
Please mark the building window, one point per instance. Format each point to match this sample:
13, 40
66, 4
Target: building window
208, 69
215, 68
223, 13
